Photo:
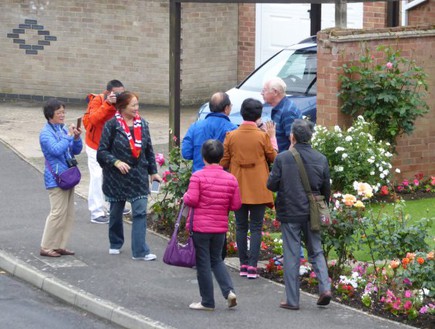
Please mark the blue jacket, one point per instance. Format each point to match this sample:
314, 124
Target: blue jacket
55, 145
283, 115
214, 126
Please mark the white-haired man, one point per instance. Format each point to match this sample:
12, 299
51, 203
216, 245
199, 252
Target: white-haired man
284, 111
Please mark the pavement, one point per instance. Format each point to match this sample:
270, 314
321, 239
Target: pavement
132, 294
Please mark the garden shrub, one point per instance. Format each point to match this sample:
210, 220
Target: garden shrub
354, 155
391, 94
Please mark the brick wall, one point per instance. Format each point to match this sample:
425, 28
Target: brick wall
69, 48
422, 14
374, 15
209, 50
246, 45
416, 153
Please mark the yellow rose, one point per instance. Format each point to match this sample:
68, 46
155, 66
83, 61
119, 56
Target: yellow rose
349, 200
359, 204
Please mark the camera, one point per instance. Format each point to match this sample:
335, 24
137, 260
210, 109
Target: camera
72, 162
117, 94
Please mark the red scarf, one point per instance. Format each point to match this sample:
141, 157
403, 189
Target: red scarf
135, 145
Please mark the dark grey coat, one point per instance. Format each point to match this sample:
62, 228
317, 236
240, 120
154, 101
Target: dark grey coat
291, 203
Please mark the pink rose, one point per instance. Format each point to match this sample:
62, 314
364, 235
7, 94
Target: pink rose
160, 159
389, 65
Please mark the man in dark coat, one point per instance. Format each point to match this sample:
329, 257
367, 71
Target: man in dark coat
293, 211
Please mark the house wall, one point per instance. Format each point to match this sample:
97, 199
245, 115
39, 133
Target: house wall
416, 152
422, 14
69, 48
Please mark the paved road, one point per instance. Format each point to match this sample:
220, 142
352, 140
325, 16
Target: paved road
23, 306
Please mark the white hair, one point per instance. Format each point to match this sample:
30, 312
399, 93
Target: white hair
278, 84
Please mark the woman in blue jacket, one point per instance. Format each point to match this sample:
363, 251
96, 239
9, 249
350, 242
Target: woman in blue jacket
59, 145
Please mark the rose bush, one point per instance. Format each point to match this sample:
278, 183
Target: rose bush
354, 155
391, 94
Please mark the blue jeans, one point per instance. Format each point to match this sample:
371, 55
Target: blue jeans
249, 216
208, 247
139, 247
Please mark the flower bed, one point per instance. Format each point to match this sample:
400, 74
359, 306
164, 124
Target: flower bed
401, 289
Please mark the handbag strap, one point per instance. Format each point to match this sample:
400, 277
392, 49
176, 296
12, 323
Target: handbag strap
302, 172
180, 214
56, 176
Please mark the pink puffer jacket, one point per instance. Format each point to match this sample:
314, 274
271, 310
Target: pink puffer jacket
212, 193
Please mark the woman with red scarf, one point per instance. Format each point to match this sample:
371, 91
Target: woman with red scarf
126, 155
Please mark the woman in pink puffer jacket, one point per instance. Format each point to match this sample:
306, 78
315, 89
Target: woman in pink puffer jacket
212, 193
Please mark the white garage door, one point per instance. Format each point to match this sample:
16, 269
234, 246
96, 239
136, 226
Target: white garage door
281, 25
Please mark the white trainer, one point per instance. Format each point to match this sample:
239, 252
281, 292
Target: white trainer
114, 251
232, 299
147, 257
200, 307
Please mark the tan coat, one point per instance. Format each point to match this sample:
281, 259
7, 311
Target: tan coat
248, 152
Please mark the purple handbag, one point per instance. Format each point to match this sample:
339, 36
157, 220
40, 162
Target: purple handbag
68, 178
178, 254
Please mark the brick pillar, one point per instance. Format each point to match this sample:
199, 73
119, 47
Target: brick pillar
375, 15
246, 43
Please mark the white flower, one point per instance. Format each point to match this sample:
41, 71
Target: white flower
388, 154
337, 129
348, 138
381, 169
344, 156
339, 149
372, 173
397, 170
371, 160
303, 269
336, 195
355, 185
382, 175
338, 168
386, 172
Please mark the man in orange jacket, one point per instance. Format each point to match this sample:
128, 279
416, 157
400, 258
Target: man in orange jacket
101, 108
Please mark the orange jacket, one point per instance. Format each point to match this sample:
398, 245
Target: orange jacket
99, 111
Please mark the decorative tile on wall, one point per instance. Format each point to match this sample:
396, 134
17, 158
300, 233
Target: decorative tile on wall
31, 36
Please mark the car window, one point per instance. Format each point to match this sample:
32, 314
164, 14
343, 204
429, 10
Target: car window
297, 68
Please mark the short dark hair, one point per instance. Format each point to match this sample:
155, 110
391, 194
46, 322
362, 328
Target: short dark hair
302, 130
251, 109
113, 84
218, 102
123, 99
51, 106
212, 150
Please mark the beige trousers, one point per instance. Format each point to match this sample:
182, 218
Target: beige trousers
58, 225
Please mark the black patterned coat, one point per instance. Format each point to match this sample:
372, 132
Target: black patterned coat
114, 145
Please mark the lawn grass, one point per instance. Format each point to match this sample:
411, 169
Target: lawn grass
417, 209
